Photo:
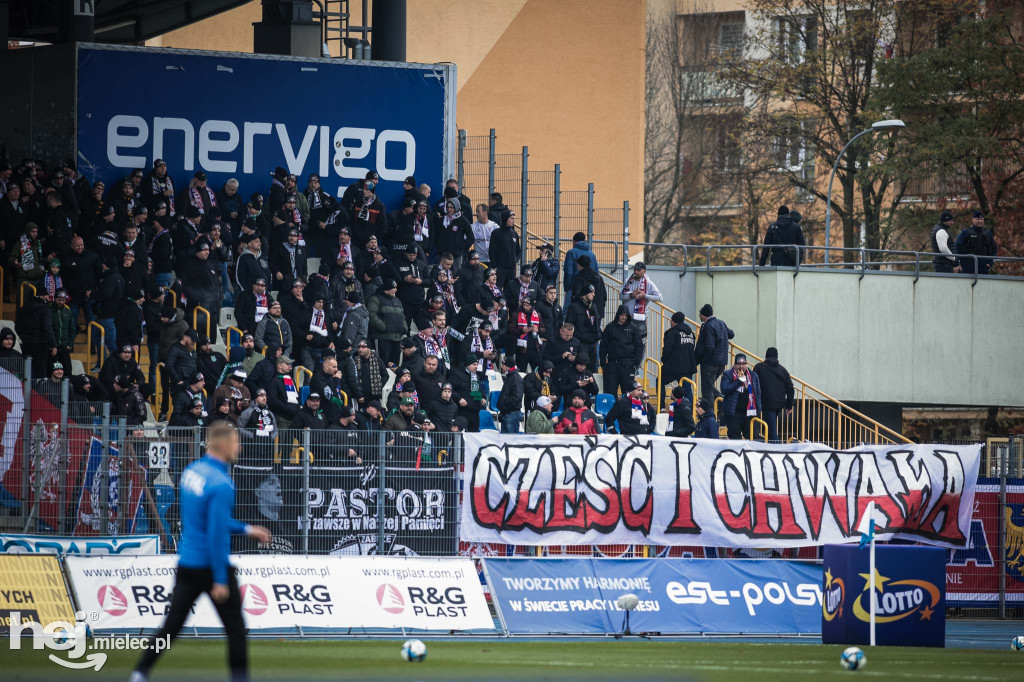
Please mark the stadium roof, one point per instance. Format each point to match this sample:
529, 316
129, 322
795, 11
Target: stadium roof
117, 21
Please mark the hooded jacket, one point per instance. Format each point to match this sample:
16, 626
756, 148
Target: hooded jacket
677, 353
621, 342
171, 333
783, 232
776, 385
707, 426
569, 266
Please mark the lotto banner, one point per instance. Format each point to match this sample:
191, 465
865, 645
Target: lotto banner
285, 591
34, 587
338, 118
572, 490
13, 543
972, 572
910, 603
714, 596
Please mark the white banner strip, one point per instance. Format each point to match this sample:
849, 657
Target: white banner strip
15, 543
284, 591
572, 490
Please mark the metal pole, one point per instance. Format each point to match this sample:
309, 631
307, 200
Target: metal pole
828, 202
1003, 466
524, 200
590, 216
461, 167
26, 440
62, 458
381, 497
122, 472
625, 238
557, 215
305, 491
490, 163
104, 474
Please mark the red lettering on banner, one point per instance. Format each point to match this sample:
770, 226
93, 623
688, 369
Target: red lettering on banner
560, 518
637, 459
775, 497
524, 517
604, 521
949, 506
637, 519
819, 488
871, 488
485, 515
725, 462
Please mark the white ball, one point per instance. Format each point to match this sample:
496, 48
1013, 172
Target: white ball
1018, 643
853, 659
414, 651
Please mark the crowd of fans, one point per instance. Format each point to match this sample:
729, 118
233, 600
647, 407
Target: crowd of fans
430, 290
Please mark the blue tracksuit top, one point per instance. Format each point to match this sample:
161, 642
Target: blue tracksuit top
207, 497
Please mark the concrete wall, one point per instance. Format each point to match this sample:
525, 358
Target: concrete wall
882, 338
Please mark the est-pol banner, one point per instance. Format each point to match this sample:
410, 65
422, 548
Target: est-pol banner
285, 591
578, 596
571, 490
240, 116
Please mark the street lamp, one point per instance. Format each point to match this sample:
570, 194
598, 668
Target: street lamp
876, 127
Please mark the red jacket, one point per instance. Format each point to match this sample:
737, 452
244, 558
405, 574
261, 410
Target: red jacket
585, 420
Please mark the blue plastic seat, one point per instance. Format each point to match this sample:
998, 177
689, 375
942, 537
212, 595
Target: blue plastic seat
303, 394
603, 403
487, 421
494, 400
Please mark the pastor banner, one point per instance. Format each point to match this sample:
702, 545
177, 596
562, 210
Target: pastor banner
571, 490
675, 596
285, 591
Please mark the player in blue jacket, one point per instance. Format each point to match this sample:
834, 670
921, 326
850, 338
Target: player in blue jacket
207, 497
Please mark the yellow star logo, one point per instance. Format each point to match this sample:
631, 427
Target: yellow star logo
880, 580
828, 578
926, 613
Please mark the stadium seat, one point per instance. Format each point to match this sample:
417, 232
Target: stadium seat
303, 394
661, 423
603, 403
487, 421
494, 400
227, 317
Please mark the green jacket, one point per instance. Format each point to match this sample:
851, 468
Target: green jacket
63, 326
387, 318
539, 421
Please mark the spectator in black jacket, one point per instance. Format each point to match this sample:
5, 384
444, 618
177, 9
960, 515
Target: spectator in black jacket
505, 248
412, 278
288, 260
413, 354
577, 377
622, 351
161, 252
371, 371
252, 263
326, 381
454, 233
680, 414
707, 426
428, 381
562, 348
550, 311
181, 361
444, 411
585, 318
211, 363
517, 289
107, 299
631, 412
469, 391
539, 382
295, 309
587, 274
35, 327
310, 416
131, 319
784, 231
677, 355
510, 400
264, 370
282, 394
368, 215
190, 392
82, 272
252, 306
129, 401
777, 391
711, 352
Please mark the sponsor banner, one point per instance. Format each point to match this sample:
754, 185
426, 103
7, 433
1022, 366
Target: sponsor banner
34, 587
972, 572
567, 490
285, 591
420, 512
61, 545
339, 120
578, 596
910, 600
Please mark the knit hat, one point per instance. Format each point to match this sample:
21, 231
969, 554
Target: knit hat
945, 217
704, 404
706, 310
678, 317
470, 359
977, 214
772, 352
783, 210
579, 393
582, 359
407, 342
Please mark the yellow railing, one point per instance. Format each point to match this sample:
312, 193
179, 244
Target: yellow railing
174, 297
21, 293
89, 345
158, 390
300, 376
816, 416
755, 422
195, 317
234, 331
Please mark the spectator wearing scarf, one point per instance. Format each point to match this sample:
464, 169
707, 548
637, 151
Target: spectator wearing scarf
741, 390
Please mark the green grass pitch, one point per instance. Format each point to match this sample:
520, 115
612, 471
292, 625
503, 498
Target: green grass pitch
194, 660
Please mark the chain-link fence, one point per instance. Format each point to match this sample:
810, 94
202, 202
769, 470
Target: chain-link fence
474, 167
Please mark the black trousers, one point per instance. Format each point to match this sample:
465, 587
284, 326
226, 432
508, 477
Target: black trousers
389, 351
708, 382
739, 425
189, 584
619, 377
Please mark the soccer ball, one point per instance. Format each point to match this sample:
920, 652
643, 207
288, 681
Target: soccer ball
853, 659
1018, 643
414, 651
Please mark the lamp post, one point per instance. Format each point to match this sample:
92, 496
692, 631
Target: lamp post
876, 127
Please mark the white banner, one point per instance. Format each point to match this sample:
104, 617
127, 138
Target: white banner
573, 490
12, 543
284, 591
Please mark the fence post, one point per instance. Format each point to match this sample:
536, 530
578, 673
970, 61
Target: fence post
557, 214
524, 202
590, 216
490, 163
104, 474
122, 472
1004, 463
26, 441
305, 491
62, 458
381, 497
460, 169
625, 238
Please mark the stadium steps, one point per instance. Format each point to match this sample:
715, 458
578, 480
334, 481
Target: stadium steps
817, 416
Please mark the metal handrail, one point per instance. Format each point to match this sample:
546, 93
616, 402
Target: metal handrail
88, 349
21, 293
229, 332
303, 373
195, 313
174, 297
764, 428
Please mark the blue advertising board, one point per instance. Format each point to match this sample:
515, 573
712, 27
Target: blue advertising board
714, 596
240, 116
910, 596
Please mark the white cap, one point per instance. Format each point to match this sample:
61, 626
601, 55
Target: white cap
543, 401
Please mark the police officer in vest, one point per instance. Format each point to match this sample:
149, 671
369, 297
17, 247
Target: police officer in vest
942, 234
978, 241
